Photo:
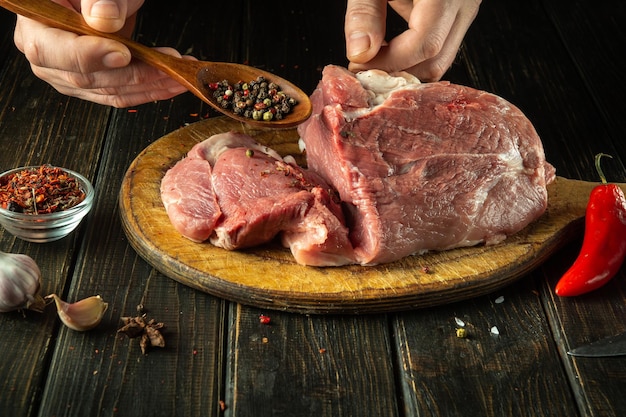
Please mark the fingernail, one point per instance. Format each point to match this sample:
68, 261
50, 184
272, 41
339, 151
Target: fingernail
358, 43
114, 60
105, 9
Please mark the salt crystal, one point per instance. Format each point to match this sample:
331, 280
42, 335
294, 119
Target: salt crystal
500, 300
494, 330
459, 322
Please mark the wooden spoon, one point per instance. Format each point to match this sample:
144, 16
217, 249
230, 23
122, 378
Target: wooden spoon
194, 75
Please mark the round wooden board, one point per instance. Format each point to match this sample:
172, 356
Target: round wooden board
268, 277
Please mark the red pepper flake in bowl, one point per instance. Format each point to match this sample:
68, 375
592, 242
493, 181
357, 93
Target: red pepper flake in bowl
41, 190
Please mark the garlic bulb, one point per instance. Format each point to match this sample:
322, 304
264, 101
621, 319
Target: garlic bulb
81, 315
20, 283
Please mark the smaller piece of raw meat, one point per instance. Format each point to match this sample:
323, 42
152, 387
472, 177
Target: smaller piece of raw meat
250, 196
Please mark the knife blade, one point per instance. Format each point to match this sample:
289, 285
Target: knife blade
609, 346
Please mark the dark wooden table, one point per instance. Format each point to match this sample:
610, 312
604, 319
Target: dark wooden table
561, 62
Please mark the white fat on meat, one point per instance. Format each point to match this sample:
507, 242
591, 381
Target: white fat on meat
211, 148
380, 84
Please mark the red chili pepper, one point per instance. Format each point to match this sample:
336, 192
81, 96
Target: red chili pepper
604, 244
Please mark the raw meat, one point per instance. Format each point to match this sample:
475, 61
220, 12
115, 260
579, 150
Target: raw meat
257, 196
191, 205
423, 166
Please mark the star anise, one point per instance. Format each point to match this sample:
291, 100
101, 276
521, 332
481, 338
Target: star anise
147, 330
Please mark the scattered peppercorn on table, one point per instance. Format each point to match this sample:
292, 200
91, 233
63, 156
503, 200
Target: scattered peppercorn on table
165, 349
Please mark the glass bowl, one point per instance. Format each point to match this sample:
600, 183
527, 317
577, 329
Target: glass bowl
47, 227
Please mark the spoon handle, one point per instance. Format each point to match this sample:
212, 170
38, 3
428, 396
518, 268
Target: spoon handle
55, 15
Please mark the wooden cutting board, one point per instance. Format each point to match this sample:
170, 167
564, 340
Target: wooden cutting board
268, 277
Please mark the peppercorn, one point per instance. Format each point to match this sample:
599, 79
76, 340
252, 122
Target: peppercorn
13, 206
253, 99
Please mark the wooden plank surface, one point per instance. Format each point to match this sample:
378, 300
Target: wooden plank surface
507, 343
562, 86
591, 37
108, 373
109, 267
299, 365
38, 126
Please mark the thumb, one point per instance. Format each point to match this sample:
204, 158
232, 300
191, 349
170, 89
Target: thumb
107, 15
364, 28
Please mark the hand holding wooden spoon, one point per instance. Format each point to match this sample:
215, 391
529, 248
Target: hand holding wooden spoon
193, 75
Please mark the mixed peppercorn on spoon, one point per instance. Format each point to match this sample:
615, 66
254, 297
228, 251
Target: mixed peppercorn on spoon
200, 77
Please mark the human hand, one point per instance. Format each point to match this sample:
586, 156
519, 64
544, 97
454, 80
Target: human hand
426, 49
93, 68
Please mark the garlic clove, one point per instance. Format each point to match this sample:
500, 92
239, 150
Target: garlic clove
20, 283
81, 315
